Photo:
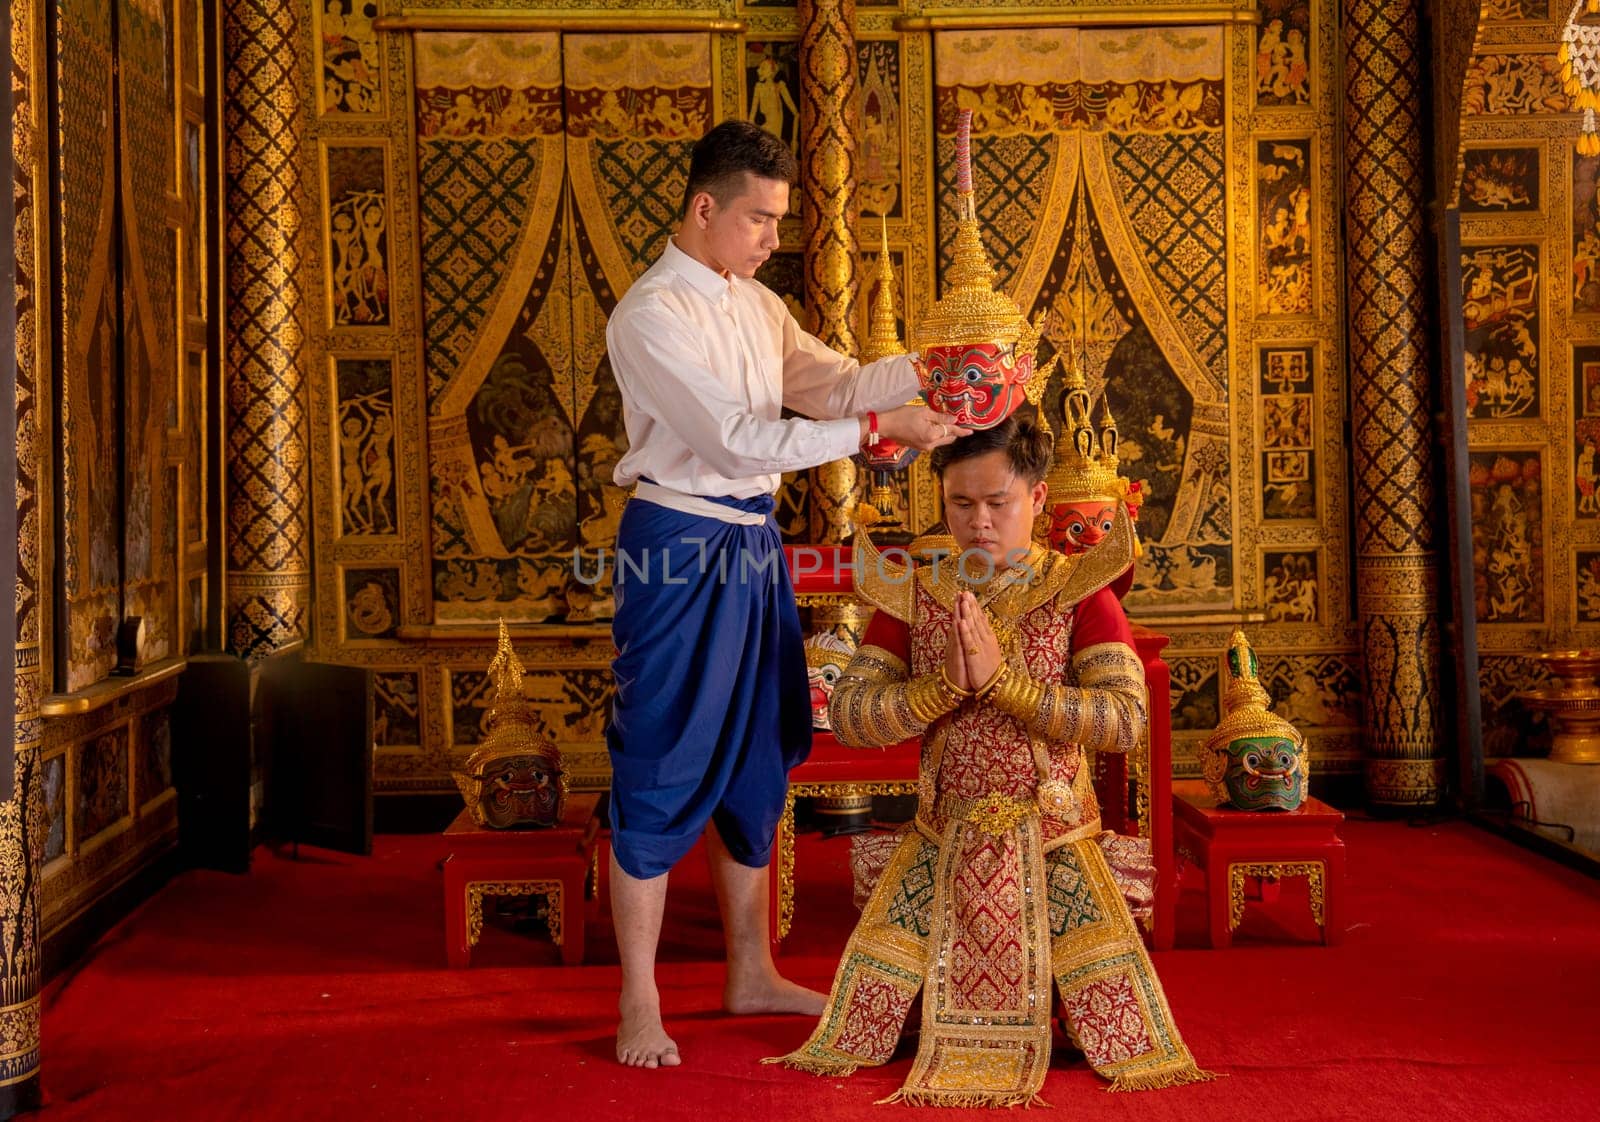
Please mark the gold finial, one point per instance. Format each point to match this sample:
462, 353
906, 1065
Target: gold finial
1108, 436
1242, 677
971, 312
506, 672
1085, 463
883, 336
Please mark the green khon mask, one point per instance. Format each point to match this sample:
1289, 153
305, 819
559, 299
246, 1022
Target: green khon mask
1254, 760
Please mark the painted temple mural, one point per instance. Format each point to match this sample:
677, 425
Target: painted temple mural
1161, 198
1078, 138
1530, 269
127, 466
1157, 196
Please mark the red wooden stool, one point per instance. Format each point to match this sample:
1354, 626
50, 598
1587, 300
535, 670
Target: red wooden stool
1232, 845
555, 862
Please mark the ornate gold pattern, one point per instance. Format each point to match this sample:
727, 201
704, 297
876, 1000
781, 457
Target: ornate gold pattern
571, 666
269, 531
993, 814
23, 817
828, 130
1313, 871
1405, 782
478, 889
1390, 358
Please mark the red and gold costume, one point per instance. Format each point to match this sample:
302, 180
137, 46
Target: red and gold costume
1005, 890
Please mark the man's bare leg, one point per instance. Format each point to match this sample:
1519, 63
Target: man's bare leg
636, 907
754, 984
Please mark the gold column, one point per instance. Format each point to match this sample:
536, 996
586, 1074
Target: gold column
828, 212
22, 816
268, 515
1390, 363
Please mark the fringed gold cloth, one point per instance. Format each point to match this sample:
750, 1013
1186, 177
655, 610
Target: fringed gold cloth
987, 925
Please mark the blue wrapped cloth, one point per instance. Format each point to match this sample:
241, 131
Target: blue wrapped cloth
712, 707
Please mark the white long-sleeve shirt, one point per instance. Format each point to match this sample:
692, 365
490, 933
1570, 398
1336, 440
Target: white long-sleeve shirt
706, 363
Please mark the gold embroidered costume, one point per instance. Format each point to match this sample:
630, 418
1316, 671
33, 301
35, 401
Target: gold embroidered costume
1005, 890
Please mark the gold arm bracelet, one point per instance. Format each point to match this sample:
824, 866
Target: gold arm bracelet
1018, 695
931, 697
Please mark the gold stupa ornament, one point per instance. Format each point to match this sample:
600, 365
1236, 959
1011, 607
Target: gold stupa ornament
883, 341
515, 777
883, 332
1255, 760
976, 346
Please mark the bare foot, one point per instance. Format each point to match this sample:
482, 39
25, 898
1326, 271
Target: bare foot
642, 1041
771, 993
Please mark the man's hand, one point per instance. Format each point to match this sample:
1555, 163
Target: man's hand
917, 426
979, 643
955, 658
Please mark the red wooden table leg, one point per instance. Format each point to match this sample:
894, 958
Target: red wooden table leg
573, 907
458, 953
1333, 895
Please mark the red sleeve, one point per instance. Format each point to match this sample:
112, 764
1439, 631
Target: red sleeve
891, 634
1100, 620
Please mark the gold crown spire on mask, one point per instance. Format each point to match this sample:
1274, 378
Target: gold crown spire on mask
971, 312
883, 336
1085, 463
512, 733
506, 672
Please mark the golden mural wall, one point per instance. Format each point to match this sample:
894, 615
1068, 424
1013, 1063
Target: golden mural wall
488, 184
1530, 278
124, 526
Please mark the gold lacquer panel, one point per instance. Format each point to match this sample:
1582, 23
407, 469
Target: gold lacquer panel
1501, 307
635, 104
1502, 179
90, 364
348, 61
1508, 534
147, 99
490, 174
355, 236
1099, 169
1530, 298
363, 390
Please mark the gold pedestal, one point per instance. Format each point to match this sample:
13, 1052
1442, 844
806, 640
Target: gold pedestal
1573, 707
843, 814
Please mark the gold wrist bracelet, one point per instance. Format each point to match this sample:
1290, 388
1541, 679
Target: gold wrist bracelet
1001, 673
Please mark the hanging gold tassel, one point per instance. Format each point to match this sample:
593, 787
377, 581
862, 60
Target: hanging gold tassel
962, 1099
1159, 1080
800, 1062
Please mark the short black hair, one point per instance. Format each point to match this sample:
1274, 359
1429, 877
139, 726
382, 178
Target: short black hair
721, 157
1020, 436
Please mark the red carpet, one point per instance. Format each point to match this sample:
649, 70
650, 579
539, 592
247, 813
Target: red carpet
1467, 987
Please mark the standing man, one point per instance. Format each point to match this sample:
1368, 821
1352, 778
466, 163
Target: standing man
712, 707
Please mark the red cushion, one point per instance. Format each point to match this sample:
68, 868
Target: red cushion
827, 568
832, 762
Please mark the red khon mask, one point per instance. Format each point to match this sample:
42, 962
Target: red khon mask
976, 346
979, 384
